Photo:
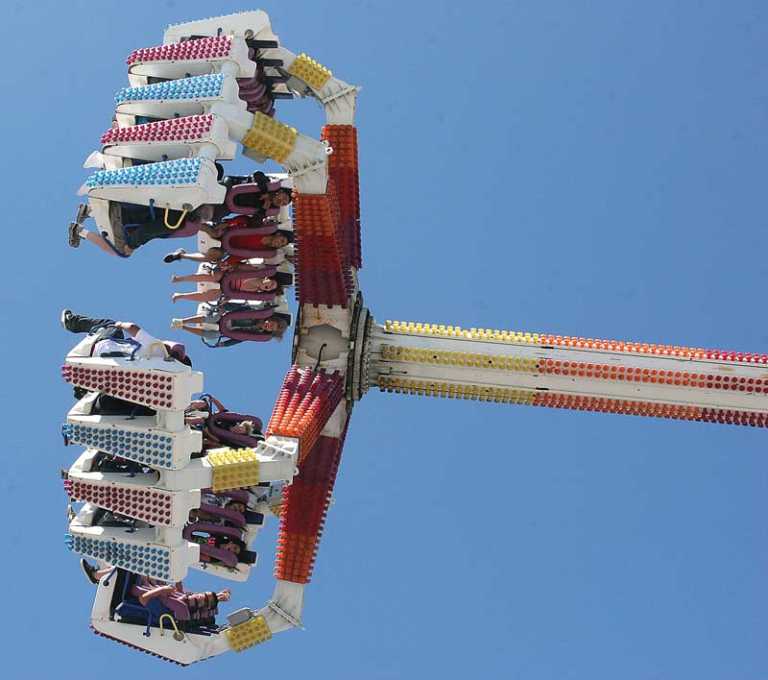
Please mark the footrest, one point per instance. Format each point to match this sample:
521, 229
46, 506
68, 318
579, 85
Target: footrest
117, 436
160, 385
149, 505
182, 97
170, 139
182, 184
248, 634
139, 552
193, 58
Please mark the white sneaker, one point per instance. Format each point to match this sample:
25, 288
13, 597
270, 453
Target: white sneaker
176, 323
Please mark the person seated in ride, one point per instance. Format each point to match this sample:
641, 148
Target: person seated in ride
250, 242
216, 231
136, 225
275, 325
223, 428
232, 545
267, 196
266, 201
110, 338
242, 277
246, 427
155, 594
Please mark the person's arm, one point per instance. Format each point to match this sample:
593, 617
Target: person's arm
214, 232
129, 327
144, 598
143, 338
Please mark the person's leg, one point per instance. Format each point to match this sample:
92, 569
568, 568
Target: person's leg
198, 318
193, 278
137, 236
78, 323
93, 574
192, 329
211, 255
205, 296
192, 257
100, 242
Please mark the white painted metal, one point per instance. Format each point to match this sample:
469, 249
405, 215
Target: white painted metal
283, 611
253, 24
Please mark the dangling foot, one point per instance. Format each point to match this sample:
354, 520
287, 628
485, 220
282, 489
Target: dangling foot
73, 233
89, 571
174, 256
177, 323
175, 278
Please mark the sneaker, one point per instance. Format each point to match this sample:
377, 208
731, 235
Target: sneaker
175, 255
83, 211
89, 571
176, 323
66, 319
74, 234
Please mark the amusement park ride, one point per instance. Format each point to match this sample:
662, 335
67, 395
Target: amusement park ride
170, 485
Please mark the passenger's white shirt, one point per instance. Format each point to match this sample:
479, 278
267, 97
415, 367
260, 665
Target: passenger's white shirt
147, 346
145, 340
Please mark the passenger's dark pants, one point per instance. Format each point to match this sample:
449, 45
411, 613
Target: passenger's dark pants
86, 324
140, 227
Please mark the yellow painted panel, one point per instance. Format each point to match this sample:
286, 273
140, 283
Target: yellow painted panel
311, 72
248, 634
271, 138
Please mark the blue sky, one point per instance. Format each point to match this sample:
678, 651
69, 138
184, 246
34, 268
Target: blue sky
583, 168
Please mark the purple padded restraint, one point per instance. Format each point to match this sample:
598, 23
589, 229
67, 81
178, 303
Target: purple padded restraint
216, 425
232, 278
244, 190
224, 556
225, 327
231, 516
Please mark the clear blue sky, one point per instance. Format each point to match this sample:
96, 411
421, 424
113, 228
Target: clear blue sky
590, 168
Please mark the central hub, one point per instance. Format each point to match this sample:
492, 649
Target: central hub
324, 343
